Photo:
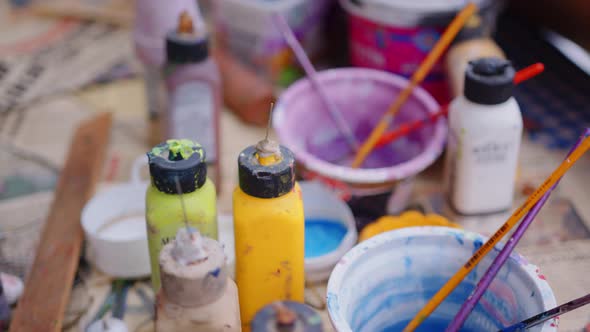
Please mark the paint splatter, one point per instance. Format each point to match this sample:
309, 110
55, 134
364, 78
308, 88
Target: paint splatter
459, 238
407, 262
215, 272
332, 301
477, 244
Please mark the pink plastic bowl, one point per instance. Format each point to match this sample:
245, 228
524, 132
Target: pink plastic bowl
362, 95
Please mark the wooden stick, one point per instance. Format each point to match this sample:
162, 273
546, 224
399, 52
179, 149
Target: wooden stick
425, 67
456, 279
48, 286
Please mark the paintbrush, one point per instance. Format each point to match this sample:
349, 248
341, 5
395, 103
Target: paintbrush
547, 315
456, 279
499, 261
406, 128
335, 113
441, 45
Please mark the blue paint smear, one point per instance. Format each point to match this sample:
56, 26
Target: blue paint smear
407, 262
429, 325
459, 238
322, 236
215, 272
409, 299
477, 244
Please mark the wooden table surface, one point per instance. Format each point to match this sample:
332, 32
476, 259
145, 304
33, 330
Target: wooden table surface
129, 140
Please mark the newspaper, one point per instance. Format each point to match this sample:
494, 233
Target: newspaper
77, 55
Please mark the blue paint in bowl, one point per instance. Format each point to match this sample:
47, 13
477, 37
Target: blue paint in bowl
322, 236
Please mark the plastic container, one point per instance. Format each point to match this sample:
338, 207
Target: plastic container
320, 202
269, 230
114, 226
154, 19
485, 129
246, 29
363, 96
385, 281
184, 161
396, 35
193, 87
197, 293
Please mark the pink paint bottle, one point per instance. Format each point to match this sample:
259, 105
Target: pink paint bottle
154, 19
193, 86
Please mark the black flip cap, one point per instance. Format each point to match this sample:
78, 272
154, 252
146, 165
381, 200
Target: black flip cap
186, 48
166, 167
266, 181
489, 81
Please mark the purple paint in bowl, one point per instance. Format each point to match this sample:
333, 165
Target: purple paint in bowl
362, 95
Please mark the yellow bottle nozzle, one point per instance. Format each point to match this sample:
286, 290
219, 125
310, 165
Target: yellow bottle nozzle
268, 152
185, 24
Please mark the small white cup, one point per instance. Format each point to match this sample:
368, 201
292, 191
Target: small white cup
320, 202
114, 226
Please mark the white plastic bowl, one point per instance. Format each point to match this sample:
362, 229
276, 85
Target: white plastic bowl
386, 279
126, 255
320, 202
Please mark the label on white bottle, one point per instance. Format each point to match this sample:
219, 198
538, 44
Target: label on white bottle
482, 170
193, 116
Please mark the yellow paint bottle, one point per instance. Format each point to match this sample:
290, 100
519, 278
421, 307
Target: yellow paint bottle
269, 229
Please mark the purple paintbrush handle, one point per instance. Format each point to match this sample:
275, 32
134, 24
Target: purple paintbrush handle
493, 270
336, 115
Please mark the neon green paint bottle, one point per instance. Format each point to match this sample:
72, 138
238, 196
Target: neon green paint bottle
181, 161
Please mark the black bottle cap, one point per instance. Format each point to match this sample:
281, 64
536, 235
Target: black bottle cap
183, 45
489, 81
177, 159
268, 181
186, 49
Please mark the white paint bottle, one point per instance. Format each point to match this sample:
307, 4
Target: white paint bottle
197, 293
153, 20
485, 129
193, 86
